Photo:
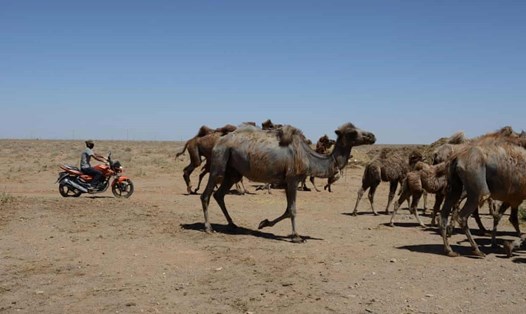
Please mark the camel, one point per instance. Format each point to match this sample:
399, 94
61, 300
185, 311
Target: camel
491, 166
276, 156
323, 146
424, 177
428, 179
201, 146
390, 165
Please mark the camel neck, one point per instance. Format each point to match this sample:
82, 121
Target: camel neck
325, 166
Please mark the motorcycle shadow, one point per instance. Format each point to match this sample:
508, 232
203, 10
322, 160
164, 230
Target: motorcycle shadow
99, 196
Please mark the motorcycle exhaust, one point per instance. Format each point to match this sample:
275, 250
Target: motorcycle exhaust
75, 185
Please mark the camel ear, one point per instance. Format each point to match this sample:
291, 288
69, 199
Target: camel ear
338, 132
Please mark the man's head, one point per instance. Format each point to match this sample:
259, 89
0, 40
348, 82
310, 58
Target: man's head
90, 144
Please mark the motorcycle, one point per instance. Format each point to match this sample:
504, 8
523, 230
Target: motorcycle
72, 182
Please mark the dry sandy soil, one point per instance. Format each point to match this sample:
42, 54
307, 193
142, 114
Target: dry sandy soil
99, 254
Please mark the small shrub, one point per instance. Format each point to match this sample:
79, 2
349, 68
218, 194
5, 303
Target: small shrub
6, 198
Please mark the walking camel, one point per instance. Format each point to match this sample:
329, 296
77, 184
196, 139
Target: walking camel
424, 178
492, 166
276, 156
201, 146
323, 146
389, 165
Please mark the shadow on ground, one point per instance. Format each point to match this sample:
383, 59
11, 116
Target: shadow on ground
225, 229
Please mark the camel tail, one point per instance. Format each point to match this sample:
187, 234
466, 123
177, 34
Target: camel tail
182, 152
454, 183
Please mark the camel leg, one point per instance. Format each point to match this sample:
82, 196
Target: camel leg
205, 201
425, 203
439, 197
330, 181
372, 190
392, 190
204, 171
496, 219
187, 171
414, 208
452, 198
470, 207
219, 195
314, 185
358, 198
403, 197
290, 212
476, 215
514, 219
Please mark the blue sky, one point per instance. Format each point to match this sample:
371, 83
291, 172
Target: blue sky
409, 71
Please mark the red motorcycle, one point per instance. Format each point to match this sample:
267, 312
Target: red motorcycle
72, 182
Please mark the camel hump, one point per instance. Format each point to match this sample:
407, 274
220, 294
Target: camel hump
204, 130
226, 129
457, 138
286, 134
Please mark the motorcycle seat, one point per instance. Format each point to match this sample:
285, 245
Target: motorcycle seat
70, 167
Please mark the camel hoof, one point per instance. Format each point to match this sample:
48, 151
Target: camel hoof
297, 239
354, 214
376, 214
391, 224
423, 226
263, 224
208, 229
452, 254
478, 253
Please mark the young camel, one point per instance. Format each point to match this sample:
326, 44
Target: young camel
323, 146
201, 146
493, 166
276, 156
424, 178
390, 165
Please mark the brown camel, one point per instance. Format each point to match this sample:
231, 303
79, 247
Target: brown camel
492, 166
323, 146
424, 177
201, 146
276, 156
390, 165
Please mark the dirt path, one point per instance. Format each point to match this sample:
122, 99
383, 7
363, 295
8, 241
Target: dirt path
149, 254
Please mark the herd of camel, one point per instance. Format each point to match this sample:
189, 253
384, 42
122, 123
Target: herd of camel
489, 168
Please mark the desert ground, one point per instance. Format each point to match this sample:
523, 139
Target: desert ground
149, 254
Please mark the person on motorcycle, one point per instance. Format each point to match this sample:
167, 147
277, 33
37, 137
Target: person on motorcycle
86, 167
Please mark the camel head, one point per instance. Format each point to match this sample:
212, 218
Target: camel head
415, 157
349, 136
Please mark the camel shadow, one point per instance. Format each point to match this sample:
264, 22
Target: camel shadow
361, 214
408, 225
225, 229
520, 260
438, 249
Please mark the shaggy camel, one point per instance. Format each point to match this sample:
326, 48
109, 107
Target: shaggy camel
276, 156
201, 146
492, 166
390, 165
424, 178
427, 179
323, 146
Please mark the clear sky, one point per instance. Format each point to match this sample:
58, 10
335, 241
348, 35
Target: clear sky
409, 71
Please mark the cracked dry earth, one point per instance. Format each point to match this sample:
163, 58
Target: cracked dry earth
149, 254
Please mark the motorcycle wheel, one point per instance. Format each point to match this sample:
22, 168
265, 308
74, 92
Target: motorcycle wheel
66, 191
123, 189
